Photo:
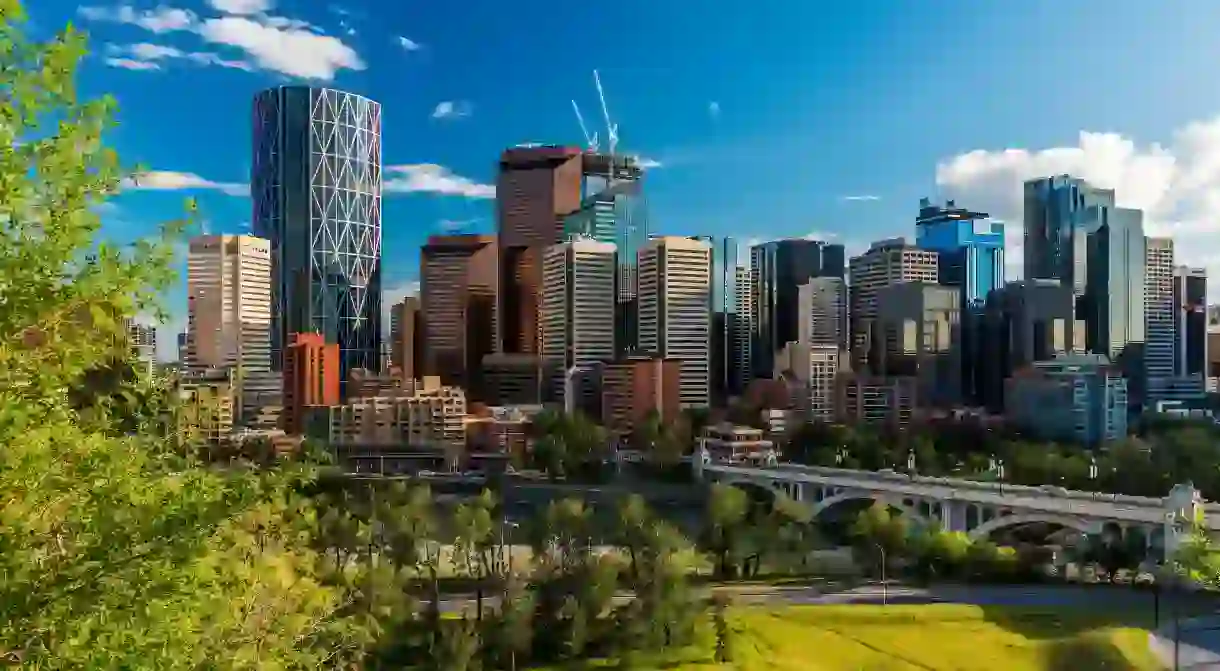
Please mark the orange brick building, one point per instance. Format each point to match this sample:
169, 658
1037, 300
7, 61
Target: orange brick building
311, 377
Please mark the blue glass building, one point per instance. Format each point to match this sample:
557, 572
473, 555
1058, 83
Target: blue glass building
970, 245
316, 187
1054, 212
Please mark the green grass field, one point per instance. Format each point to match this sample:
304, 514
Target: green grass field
920, 638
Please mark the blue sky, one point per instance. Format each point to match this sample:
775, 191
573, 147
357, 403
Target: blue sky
768, 118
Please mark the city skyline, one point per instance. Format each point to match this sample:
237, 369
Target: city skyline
830, 95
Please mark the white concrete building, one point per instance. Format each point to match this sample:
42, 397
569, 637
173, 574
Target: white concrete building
1159, 317
674, 315
578, 302
742, 325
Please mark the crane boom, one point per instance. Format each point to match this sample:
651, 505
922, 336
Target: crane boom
590, 140
611, 129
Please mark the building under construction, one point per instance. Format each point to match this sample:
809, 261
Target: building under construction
549, 194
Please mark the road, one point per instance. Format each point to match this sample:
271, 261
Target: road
1198, 644
982, 595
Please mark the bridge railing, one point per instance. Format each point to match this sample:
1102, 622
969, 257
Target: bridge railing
960, 484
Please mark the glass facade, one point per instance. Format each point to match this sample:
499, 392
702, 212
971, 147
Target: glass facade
1054, 207
779, 268
1114, 293
970, 245
316, 187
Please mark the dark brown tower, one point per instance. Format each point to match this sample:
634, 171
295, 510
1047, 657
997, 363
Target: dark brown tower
535, 189
457, 306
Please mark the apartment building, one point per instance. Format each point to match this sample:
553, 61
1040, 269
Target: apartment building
425, 414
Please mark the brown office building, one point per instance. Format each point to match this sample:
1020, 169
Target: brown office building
457, 307
632, 389
311, 377
406, 338
536, 188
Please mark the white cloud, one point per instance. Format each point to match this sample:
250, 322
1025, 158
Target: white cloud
166, 180
713, 109
432, 178
1177, 185
146, 56
455, 225
647, 163
821, 235
275, 43
163, 19
242, 6
869, 198
132, 64
408, 44
452, 109
287, 49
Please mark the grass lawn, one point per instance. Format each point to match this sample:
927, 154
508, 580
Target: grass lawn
935, 637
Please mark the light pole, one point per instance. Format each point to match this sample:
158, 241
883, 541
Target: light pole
884, 578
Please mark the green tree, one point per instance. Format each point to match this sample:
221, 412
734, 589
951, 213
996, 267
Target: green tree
879, 536
727, 508
115, 551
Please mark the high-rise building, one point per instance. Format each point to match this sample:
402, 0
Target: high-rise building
969, 245
1159, 317
536, 188
1054, 208
822, 308
229, 315
635, 388
578, 299
457, 304
723, 306
1190, 329
406, 337
675, 323
886, 262
779, 267
918, 334
316, 186
1026, 322
1114, 291
740, 329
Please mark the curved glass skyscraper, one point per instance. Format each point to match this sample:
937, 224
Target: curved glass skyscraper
316, 185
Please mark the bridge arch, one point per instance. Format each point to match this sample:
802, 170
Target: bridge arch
996, 523
842, 497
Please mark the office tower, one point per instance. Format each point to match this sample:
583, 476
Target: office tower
311, 377
742, 369
1054, 207
1114, 290
779, 268
822, 312
918, 334
406, 337
229, 316
537, 188
971, 257
886, 262
457, 302
578, 292
969, 245
1026, 322
182, 347
675, 322
316, 186
722, 306
1159, 317
1190, 323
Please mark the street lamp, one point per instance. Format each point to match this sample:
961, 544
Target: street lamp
884, 578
